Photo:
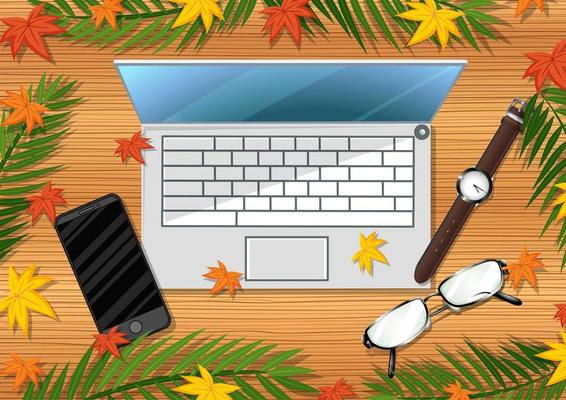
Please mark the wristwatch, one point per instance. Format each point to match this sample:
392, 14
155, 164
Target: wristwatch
474, 185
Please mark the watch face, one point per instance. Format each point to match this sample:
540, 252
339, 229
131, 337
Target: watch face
474, 185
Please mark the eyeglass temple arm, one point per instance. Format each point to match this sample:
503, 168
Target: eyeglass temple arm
508, 298
391, 368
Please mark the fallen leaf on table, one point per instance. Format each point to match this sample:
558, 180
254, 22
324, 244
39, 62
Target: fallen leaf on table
340, 391
524, 269
109, 341
522, 6
132, 147
106, 11
369, 252
24, 297
548, 65
45, 202
557, 353
205, 9
456, 392
561, 313
561, 200
204, 387
30, 31
23, 110
224, 279
286, 16
432, 20
22, 369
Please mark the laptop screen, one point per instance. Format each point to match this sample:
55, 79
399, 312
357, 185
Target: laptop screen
223, 92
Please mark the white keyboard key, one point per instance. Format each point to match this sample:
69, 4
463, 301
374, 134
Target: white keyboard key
296, 188
229, 143
307, 143
322, 188
319, 158
244, 158
360, 189
398, 188
321, 218
182, 158
283, 203
334, 143
256, 143
283, 173
371, 143
404, 143
282, 143
404, 203
188, 203
334, 173
398, 158
188, 143
371, 174
188, 173
245, 188
334, 203
182, 188
404, 173
359, 158
308, 203
229, 173
256, 173
295, 158
217, 158
230, 203
271, 189
372, 203
308, 174
270, 158
257, 203
217, 188
199, 218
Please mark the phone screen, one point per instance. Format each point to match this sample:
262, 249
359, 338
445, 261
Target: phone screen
110, 265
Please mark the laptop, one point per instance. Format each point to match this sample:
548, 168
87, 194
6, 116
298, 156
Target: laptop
275, 168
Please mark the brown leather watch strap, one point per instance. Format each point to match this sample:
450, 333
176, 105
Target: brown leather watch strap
442, 240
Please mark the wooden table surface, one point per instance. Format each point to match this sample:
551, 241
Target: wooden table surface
325, 323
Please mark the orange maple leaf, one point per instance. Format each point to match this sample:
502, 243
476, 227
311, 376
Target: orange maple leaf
524, 269
109, 342
341, 390
287, 16
132, 147
30, 31
548, 65
456, 392
107, 11
23, 110
522, 6
224, 279
22, 369
561, 313
45, 202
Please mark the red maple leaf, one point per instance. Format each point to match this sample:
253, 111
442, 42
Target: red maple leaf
561, 313
287, 16
132, 147
45, 202
548, 65
225, 279
109, 342
341, 390
30, 32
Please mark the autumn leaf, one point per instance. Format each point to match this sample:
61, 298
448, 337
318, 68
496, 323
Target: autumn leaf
30, 31
557, 353
341, 390
522, 6
109, 342
561, 313
45, 202
22, 370
106, 11
205, 388
205, 9
24, 297
23, 110
132, 147
548, 65
456, 392
432, 20
369, 252
524, 269
224, 279
287, 16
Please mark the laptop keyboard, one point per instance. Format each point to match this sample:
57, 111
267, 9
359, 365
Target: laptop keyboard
287, 181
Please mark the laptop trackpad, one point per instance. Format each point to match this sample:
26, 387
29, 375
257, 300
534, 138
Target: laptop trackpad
286, 259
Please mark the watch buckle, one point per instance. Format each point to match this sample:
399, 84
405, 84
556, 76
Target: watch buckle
516, 109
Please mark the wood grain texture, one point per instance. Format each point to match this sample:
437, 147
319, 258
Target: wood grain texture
327, 324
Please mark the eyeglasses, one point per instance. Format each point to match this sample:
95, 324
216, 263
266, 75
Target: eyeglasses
408, 320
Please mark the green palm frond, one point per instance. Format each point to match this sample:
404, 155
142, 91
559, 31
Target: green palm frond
21, 152
514, 372
149, 369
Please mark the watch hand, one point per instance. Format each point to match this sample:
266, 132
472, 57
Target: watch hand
478, 189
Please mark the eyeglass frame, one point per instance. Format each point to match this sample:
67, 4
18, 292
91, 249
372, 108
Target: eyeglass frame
366, 341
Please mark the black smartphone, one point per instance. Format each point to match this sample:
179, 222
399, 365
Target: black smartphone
110, 266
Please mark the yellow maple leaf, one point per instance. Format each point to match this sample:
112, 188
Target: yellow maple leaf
561, 200
23, 110
456, 392
557, 353
432, 20
369, 251
206, 9
204, 387
24, 297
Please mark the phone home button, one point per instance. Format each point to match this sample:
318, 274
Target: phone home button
136, 326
